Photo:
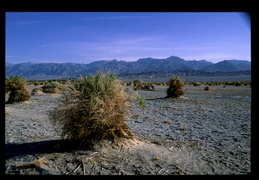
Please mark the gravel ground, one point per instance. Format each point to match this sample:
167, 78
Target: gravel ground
200, 133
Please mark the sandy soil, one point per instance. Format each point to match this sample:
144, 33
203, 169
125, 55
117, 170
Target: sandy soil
201, 133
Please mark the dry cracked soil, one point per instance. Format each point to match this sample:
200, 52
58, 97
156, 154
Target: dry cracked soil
200, 133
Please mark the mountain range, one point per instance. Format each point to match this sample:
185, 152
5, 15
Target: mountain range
172, 63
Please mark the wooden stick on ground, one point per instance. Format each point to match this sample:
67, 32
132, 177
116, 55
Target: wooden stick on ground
77, 168
83, 167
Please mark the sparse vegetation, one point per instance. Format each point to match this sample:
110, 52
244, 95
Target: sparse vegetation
238, 83
16, 87
168, 121
175, 87
129, 83
94, 110
39, 161
184, 128
141, 102
206, 88
164, 128
157, 158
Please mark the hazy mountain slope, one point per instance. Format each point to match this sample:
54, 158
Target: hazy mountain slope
172, 63
27, 70
228, 65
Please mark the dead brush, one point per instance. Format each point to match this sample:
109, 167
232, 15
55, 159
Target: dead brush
94, 109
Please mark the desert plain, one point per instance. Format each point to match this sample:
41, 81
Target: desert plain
201, 133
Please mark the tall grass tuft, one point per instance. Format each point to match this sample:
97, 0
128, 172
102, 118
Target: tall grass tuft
16, 87
175, 87
94, 109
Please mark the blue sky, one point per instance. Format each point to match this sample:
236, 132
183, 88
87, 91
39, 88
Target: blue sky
84, 37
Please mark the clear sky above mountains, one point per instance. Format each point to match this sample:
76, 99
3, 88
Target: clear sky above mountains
84, 37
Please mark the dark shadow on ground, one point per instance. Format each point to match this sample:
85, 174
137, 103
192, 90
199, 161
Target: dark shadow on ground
146, 89
41, 147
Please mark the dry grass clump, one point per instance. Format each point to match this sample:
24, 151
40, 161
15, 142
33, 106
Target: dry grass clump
35, 91
168, 121
206, 88
129, 83
148, 85
238, 83
137, 85
51, 88
196, 84
184, 128
16, 87
175, 87
94, 110
140, 85
39, 161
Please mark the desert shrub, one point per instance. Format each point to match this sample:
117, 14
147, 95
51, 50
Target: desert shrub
196, 83
238, 83
51, 88
16, 87
137, 84
175, 87
28, 82
141, 102
19, 95
94, 110
206, 88
149, 85
35, 90
129, 83
183, 128
36, 83
246, 83
72, 81
231, 83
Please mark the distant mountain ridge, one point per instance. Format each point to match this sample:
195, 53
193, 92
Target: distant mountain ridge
172, 63
229, 65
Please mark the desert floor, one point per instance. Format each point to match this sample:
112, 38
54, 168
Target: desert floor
200, 133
